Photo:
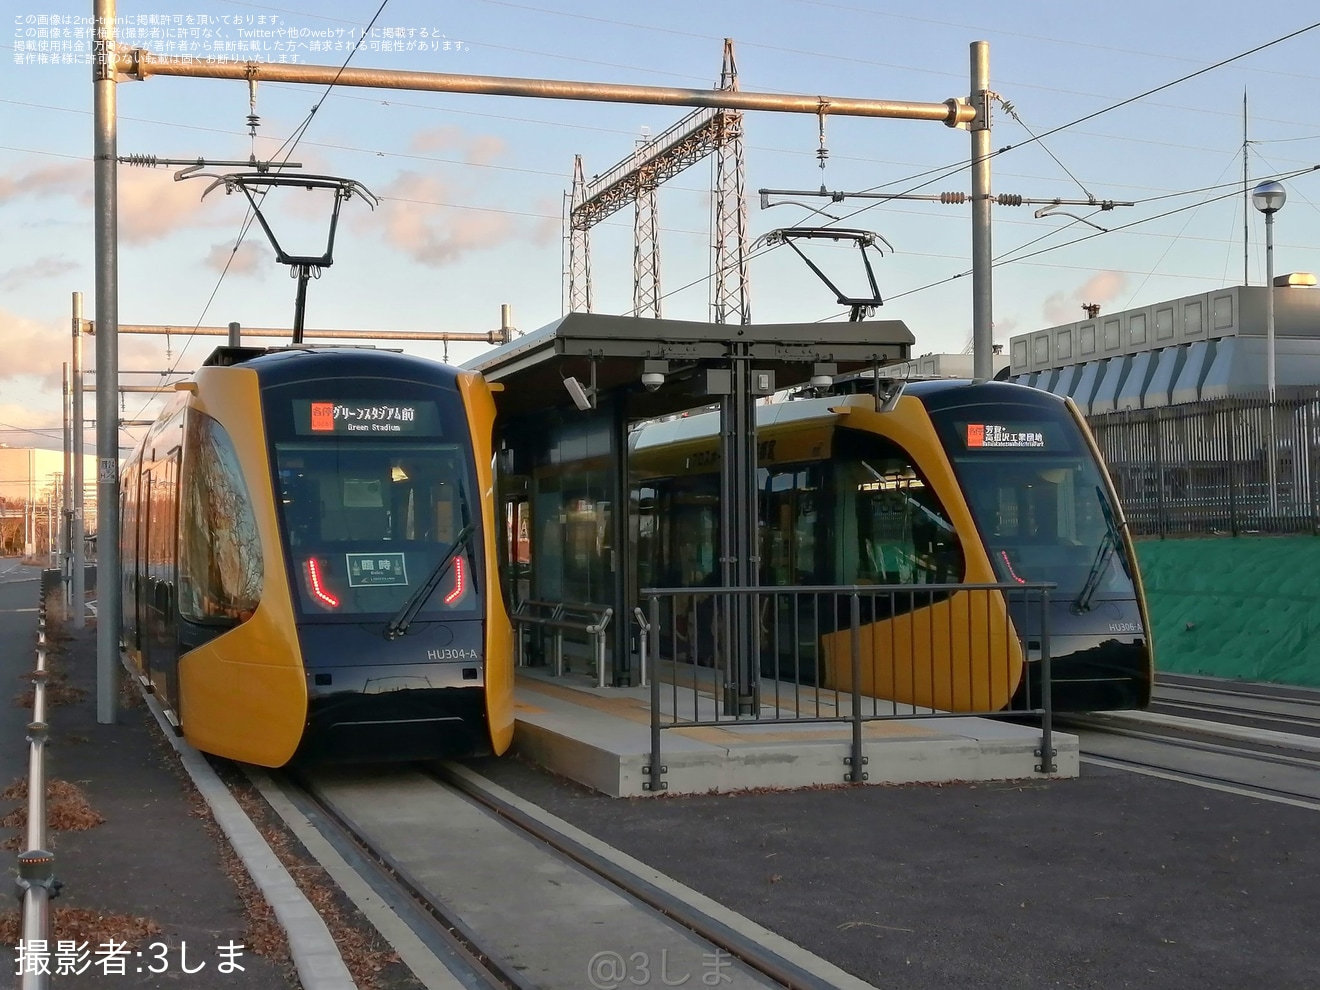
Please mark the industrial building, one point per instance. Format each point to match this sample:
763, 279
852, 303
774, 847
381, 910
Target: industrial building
1208, 346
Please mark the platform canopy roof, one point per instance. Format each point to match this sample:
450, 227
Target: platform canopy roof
532, 368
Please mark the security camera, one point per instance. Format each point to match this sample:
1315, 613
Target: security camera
822, 381
578, 394
653, 380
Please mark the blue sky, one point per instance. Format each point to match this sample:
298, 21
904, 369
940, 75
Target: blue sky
472, 187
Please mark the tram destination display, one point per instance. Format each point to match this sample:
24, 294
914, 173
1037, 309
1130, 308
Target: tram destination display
1014, 437
316, 417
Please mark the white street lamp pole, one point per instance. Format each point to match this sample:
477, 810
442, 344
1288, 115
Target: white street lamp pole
1269, 197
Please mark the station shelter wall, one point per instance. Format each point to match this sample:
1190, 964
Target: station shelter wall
1241, 607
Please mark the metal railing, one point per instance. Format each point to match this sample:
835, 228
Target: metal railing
557, 619
1236, 466
848, 654
36, 864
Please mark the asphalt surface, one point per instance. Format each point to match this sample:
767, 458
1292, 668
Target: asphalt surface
151, 857
1113, 880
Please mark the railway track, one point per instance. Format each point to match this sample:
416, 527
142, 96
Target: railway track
1233, 748
452, 920
1283, 709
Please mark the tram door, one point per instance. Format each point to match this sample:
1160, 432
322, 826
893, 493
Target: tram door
141, 575
516, 551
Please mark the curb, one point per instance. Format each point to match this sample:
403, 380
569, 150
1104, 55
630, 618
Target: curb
315, 954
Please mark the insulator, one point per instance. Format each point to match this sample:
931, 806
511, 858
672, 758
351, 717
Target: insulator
1009, 199
252, 121
953, 198
142, 161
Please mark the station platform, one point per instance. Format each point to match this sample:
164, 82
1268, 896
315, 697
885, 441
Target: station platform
600, 738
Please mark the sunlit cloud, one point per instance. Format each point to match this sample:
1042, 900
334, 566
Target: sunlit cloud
437, 236
250, 259
1066, 307
477, 149
35, 351
48, 180
35, 271
152, 205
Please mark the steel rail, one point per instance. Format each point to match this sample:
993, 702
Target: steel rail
740, 947
1173, 740
1229, 711
459, 940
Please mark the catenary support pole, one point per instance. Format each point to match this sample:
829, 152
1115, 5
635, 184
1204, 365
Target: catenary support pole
78, 577
66, 494
107, 362
983, 332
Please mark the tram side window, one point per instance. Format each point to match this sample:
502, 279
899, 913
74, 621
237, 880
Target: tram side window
903, 533
220, 566
792, 507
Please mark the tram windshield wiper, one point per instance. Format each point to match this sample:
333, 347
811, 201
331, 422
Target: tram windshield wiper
1108, 544
403, 618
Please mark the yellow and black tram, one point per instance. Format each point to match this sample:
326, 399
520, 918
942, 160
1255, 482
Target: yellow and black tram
959, 483
308, 559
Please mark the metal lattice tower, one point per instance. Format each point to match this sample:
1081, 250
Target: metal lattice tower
646, 244
731, 300
579, 246
636, 179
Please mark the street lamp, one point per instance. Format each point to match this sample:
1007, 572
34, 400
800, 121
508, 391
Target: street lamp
1269, 197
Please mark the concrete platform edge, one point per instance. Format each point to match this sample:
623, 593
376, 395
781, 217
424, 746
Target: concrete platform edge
1223, 730
791, 951
787, 767
315, 954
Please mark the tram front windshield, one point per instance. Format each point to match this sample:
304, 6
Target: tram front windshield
368, 519
1038, 498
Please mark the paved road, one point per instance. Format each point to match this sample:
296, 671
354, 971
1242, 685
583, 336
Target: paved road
1113, 880
20, 590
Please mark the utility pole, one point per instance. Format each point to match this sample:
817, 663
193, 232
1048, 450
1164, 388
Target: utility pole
983, 334
66, 504
78, 576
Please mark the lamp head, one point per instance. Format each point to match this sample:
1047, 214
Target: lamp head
1269, 197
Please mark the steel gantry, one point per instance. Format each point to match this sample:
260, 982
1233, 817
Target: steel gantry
636, 179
